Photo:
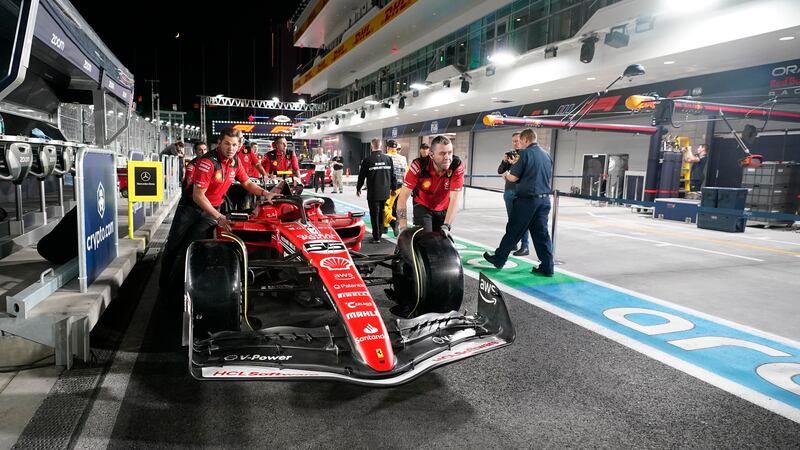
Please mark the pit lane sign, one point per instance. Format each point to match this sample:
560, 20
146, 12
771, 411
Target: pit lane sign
96, 181
145, 181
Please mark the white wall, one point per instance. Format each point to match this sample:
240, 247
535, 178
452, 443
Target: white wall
488, 151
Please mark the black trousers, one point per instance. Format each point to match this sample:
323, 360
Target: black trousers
528, 214
319, 180
189, 224
376, 216
428, 219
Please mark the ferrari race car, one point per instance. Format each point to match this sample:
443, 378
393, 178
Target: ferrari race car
307, 174
285, 296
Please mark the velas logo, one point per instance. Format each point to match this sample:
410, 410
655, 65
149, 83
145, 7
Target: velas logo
370, 329
336, 263
101, 200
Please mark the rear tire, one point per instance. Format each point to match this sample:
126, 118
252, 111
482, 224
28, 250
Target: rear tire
214, 287
435, 283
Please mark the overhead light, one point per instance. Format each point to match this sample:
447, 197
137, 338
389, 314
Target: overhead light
644, 24
435, 110
669, 62
587, 48
386, 105
336, 121
591, 78
343, 111
460, 104
220, 95
363, 113
401, 102
372, 102
536, 89
464, 83
446, 83
494, 98
276, 99
503, 58
550, 52
318, 125
301, 100
419, 86
490, 70
786, 38
147, 119
415, 93
618, 36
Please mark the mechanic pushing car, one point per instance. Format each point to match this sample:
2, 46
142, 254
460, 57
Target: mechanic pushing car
279, 159
198, 210
430, 180
250, 162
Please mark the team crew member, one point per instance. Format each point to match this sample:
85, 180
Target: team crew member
511, 188
200, 149
424, 150
338, 170
400, 168
280, 160
532, 171
198, 210
431, 180
378, 172
320, 164
248, 159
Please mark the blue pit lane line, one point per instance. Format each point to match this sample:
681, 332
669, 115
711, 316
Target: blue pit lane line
756, 366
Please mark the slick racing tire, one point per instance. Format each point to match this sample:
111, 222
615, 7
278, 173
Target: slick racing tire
214, 287
428, 276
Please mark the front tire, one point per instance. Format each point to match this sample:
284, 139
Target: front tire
214, 287
428, 277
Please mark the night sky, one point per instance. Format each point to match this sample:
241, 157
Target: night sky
216, 51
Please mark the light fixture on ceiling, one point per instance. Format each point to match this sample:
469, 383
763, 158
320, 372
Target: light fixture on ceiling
617, 37
490, 70
336, 120
503, 58
587, 48
372, 102
786, 38
643, 24
301, 100
276, 99
401, 101
363, 113
446, 83
591, 78
465, 82
669, 62
415, 93
550, 52
419, 86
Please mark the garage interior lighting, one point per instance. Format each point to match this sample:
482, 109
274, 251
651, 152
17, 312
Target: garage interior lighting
372, 102
786, 38
419, 86
503, 58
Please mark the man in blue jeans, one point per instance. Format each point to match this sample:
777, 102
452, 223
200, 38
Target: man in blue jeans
532, 171
510, 189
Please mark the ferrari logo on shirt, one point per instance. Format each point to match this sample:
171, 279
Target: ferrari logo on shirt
379, 352
426, 184
218, 175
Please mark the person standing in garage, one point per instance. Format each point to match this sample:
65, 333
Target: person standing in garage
198, 213
338, 171
698, 171
378, 172
511, 189
532, 172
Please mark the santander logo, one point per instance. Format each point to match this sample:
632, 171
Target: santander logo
370, 329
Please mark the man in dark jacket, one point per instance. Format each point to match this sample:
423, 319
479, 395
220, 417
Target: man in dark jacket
378, 171
511, 188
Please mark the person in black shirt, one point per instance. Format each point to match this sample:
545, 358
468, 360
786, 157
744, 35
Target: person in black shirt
698, 173
377, 170
511, 189
338, 171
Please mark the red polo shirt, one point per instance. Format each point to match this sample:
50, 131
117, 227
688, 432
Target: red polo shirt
274, 162
434, 191
248, 161
215, 181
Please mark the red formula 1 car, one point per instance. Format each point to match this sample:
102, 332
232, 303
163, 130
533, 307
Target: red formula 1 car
285, 296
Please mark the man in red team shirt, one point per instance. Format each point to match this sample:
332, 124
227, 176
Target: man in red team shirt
200, 149
431, 180
280, 160
198, 213
251, 163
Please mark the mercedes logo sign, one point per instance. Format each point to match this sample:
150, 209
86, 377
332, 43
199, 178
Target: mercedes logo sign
145, 176
101, 200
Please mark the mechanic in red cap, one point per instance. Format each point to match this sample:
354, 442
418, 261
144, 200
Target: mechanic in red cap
198, 213
431, 180
280, 159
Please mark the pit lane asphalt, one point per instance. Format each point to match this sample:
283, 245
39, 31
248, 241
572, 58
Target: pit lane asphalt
558, 385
